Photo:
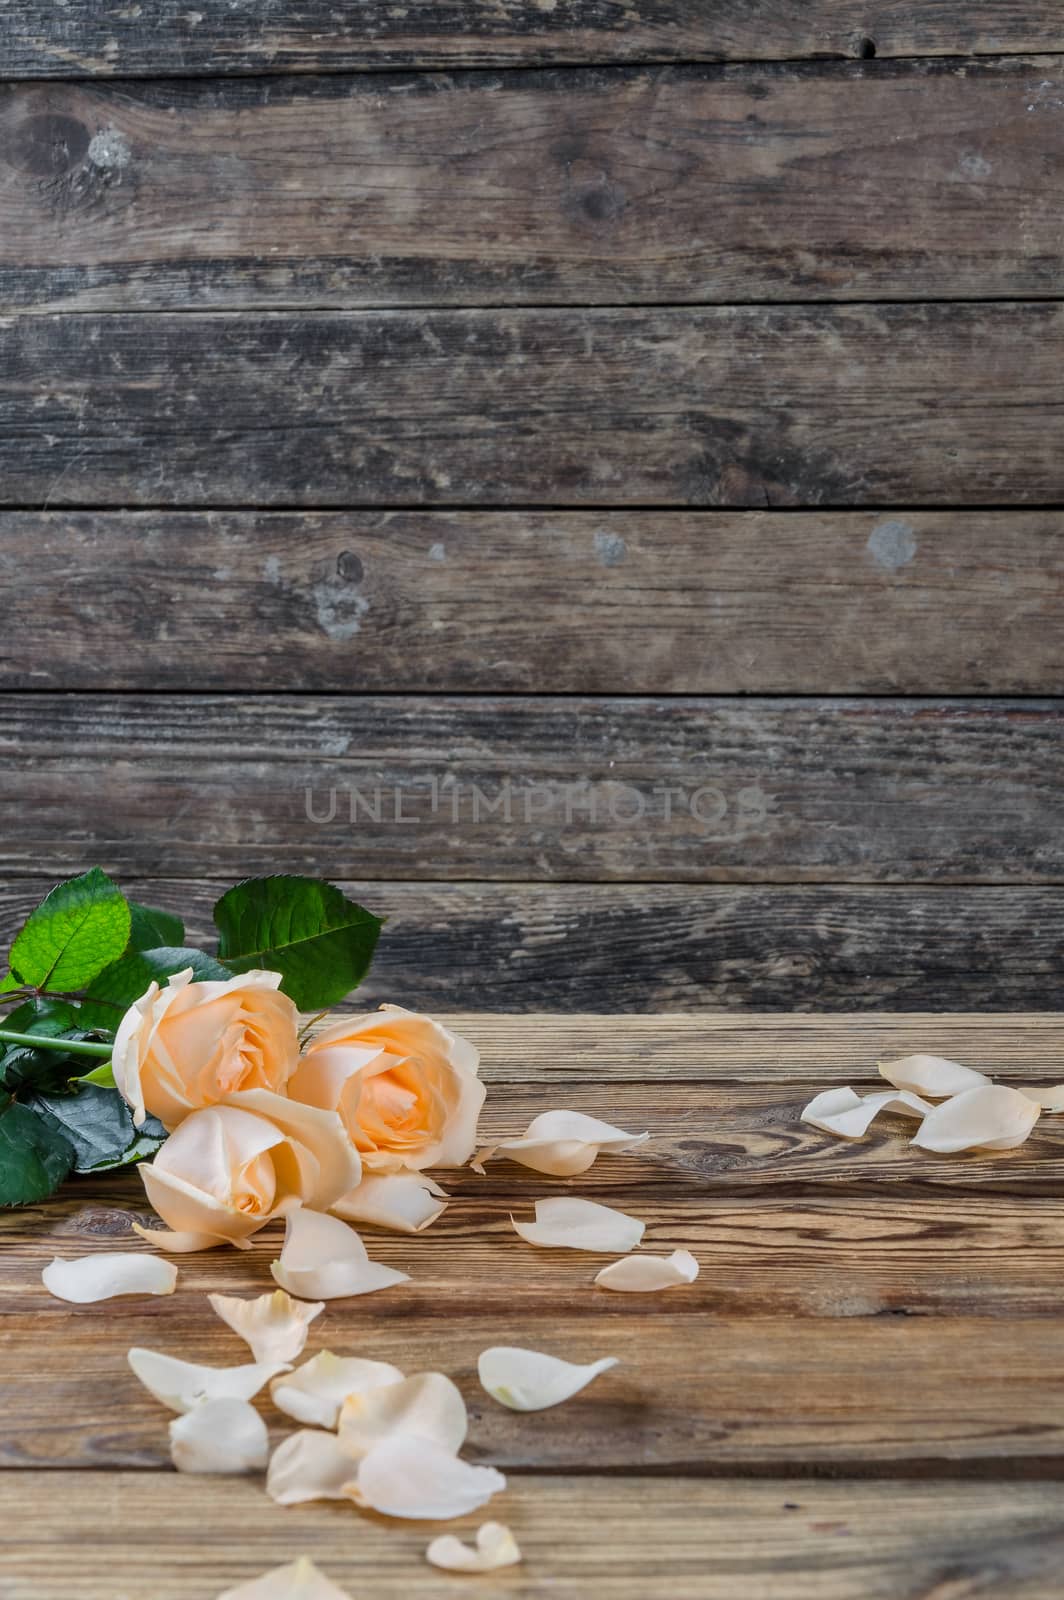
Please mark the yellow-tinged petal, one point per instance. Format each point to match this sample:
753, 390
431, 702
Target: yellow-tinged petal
850, 1115
405, 1202
107, 1275
991, 1118
495, 1547
427, 1405
181, 1385
562, 1143
223, 1436
405, 1476
527, 1380
323, 1259
274, 1325
931, 1076
1051, 1100
301, 1580
645, 1274
310, 1465
337, 1164
567, 1223
315, 1392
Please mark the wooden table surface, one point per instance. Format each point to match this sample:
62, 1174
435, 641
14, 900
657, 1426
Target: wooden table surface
861, 1396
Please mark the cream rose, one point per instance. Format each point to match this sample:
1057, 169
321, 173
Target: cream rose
230, 1169
406, 1089
190, 1045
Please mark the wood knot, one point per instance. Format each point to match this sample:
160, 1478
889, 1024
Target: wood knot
48, 145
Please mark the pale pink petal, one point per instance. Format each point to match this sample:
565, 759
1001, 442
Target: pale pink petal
410, 1477
1049, 1099
428, 1405
299, 1581
527, 1380
337, 1163
181, 1385
932, 1076
850, 1115
645, 1274
567, 1223
310, 1465
223, 1436
495, 1547
107, 1275
562, 1143
323, 1259
991, 1118
274, 1325
406, 1202
315, 1392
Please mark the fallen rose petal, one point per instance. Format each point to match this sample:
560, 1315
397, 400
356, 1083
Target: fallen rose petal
274, 1325
991, 1118
850, 1115
225, 1436
406, 1202
310, 1465
495, 1547
526, 1380
645, 1274
299, 1581
932, 1076
405, 1476
428, 1405
567, 1223
181, 1385
562, 1143
323, 1259
105, 1276
315, 1392
1049, 1099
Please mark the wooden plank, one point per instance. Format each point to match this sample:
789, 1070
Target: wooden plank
843, 405
572, 188
578, 602
616, 1538
639, 947
82, 38
597, 790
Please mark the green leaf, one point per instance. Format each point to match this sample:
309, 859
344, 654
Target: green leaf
80, 928
321, 942
111, 994
9, 982
149, 929
35, 1155
20, 1064
103, 1077
99, 1126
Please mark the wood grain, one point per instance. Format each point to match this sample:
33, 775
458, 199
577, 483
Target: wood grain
850, 405
575, 188
576, 602
81, 38
618, 1538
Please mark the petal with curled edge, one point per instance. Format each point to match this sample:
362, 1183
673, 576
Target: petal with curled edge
1051, 1100
335, 1165
405, 1476
223, 1436
645, 1274
301, 1580
323, 1259
495, 1547
406, 1202
181, 1385
563, 1222
428, 1405
315, 1392
527, 1380
310, 1465
274, 1325
562, 1143
991, 1118
932, 1076
182, 1244
107, 1275
850, 1115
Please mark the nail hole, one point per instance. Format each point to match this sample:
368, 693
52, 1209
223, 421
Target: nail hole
867, 49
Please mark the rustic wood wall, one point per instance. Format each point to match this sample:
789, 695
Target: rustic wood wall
589, 476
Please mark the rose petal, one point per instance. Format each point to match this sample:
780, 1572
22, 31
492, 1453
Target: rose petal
321, 1134
1049, 1099
496, 1547
299, 1581
315, 1392
274, 1325
181, 1244
105, 1276
323, 1259
404, 1201
644, 1274
567, 1223
851, 1115
932, 1076
310, 1465
405, 1476
562, 1143
526, 1380
990, 1118
181, 1385
219, 1436
428, 1405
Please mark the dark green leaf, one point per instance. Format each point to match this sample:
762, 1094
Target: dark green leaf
76, 932
149, 929
110, 995
46, 1069
99, 1126
321, 942
35, 1155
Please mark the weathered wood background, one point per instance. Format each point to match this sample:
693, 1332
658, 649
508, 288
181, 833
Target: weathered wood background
585, 475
